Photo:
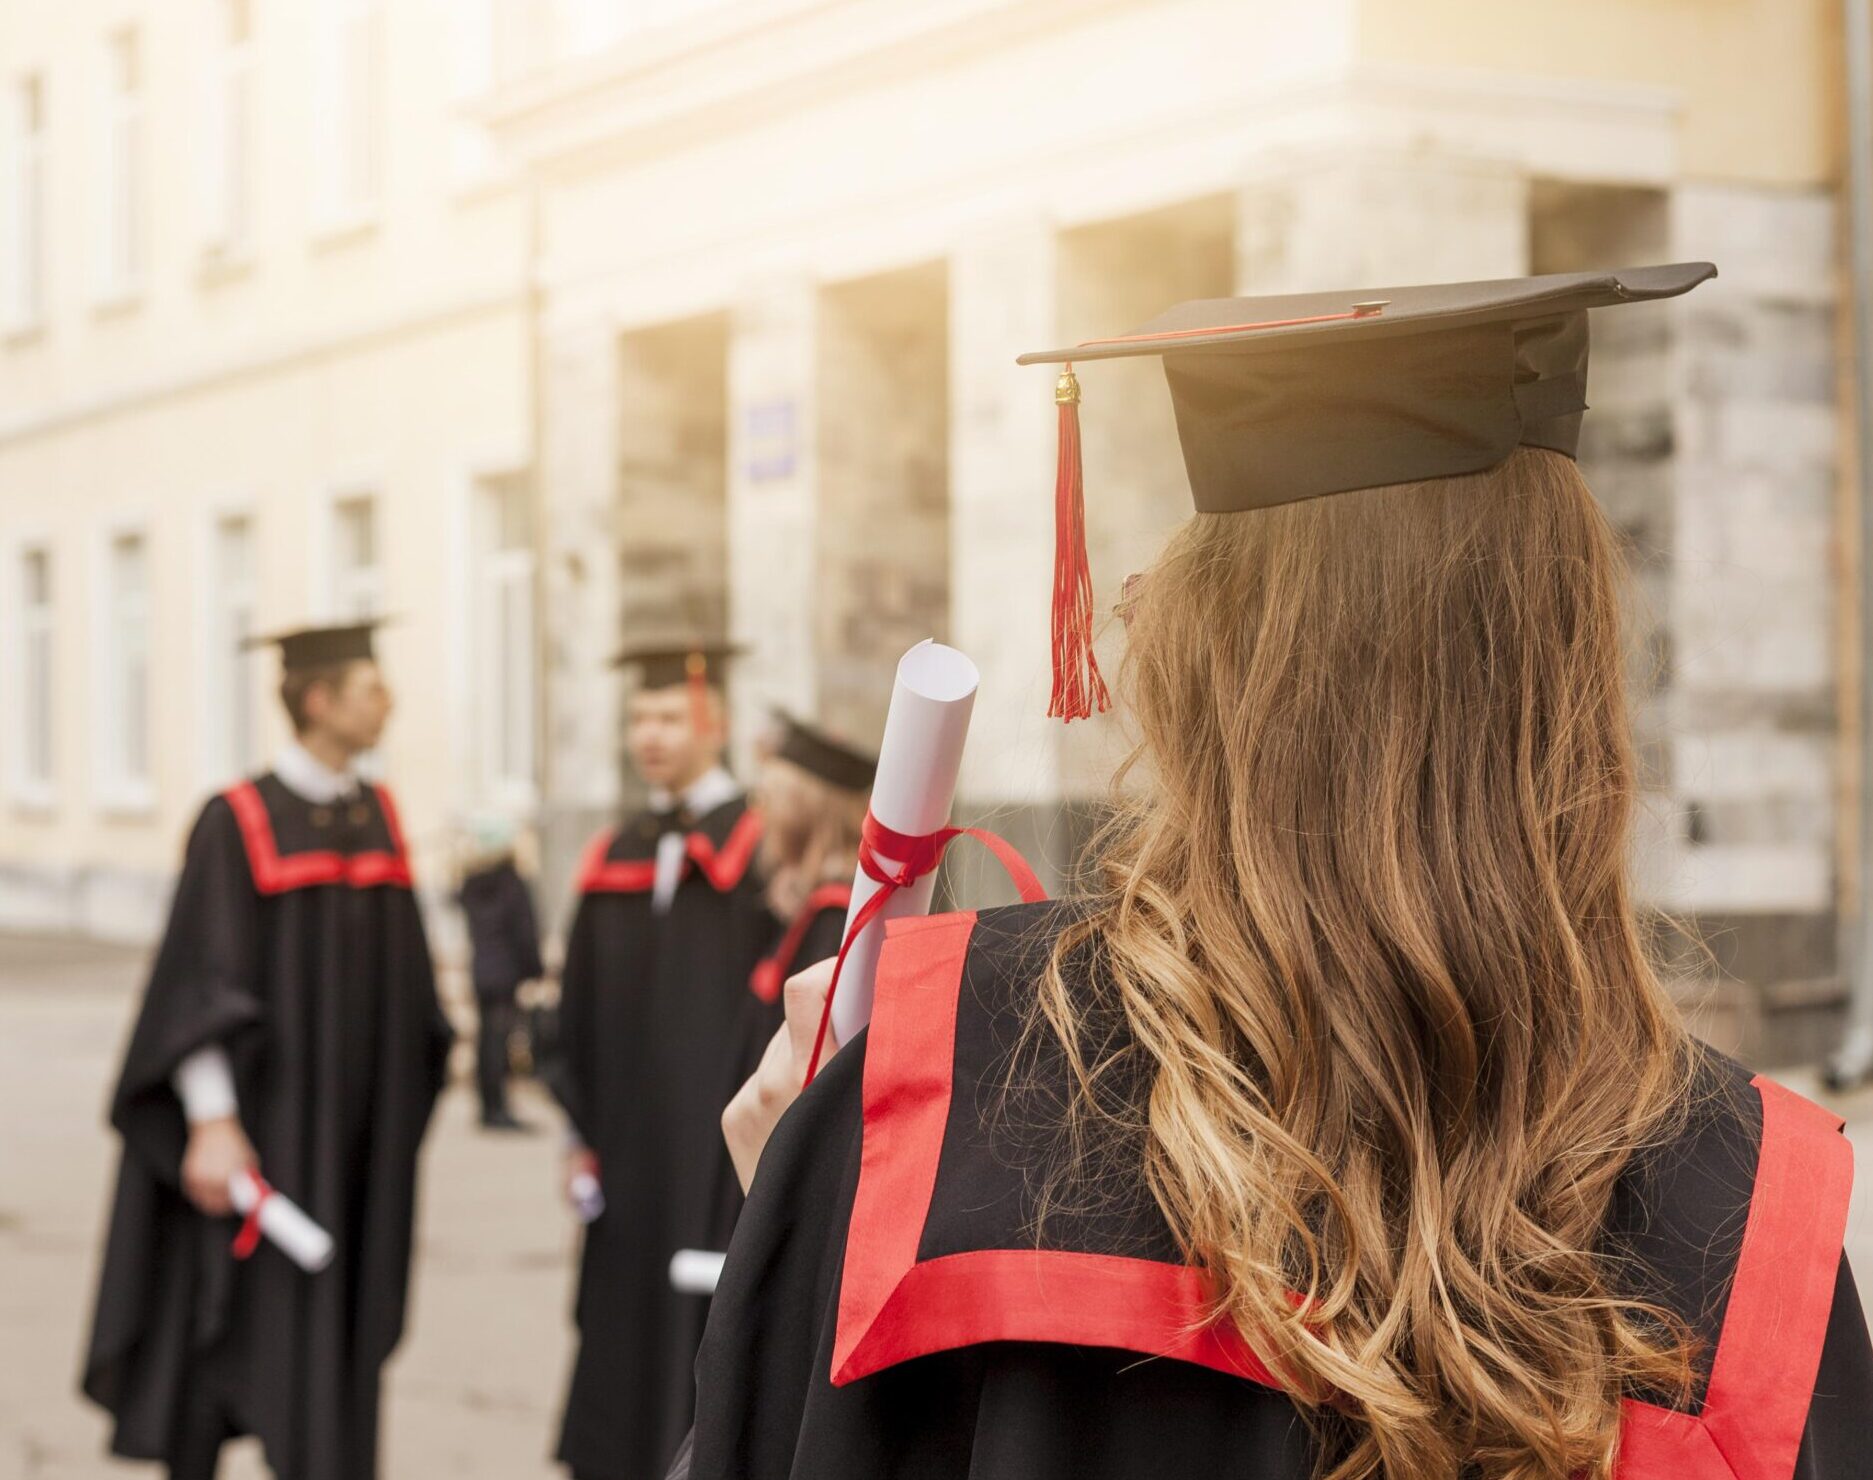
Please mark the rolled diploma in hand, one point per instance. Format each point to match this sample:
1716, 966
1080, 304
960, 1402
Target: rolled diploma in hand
695, 1271
284, 1224
918, 761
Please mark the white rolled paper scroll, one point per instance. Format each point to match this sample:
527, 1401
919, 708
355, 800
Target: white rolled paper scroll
695, 1271
918, 761
283, 1223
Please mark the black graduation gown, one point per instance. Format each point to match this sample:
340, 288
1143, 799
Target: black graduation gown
294, 940
503, 933
655, 1013
816, 931
897, 1317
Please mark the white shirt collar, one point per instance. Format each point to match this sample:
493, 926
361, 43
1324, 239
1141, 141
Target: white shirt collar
702, 796
310, 778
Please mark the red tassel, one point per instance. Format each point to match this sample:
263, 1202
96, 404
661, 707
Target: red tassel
1078, 688
697, 668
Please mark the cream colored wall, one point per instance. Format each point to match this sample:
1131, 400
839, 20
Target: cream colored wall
396, 356
1759, 80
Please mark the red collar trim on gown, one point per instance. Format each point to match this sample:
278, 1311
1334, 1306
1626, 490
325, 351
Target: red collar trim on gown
275, 873
723, 867
893, 1306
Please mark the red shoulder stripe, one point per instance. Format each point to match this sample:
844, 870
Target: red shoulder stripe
597, 875
725, 867
1762, 1377
277, 874
891, 1306
770, 975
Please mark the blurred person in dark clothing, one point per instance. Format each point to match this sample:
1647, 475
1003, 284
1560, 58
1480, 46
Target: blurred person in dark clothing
504, 947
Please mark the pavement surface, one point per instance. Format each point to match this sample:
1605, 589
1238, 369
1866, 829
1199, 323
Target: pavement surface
473, 1393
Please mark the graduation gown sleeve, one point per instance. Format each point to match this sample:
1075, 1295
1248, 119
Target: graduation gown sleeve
201, 989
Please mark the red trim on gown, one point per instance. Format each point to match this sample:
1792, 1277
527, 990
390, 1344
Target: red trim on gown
893, 1306
277, 873
723, 867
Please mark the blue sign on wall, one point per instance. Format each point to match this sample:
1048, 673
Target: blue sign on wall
769, 434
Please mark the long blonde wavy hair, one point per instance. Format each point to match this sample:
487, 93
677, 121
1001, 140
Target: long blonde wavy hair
1368, 918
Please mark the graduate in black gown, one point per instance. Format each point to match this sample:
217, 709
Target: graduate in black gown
1342, 1125
290, 1026
813, 790
655, 996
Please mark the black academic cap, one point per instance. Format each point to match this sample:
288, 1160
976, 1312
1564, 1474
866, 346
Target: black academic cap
665, 663
820, 754
1286, 398
322, 647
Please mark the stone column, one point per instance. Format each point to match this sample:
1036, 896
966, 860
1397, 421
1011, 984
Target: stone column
1753, 702
772, 512
1372, 218
1002, 436
579, 575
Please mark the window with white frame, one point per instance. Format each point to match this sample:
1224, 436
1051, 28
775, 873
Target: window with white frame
357, 577
348, 109
234, 598
503, 633
228, 159
24, 267
120, 244
35, 670
125, 730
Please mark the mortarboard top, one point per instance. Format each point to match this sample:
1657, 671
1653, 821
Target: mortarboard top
665, 663
820, 754
1285, 398
322, 647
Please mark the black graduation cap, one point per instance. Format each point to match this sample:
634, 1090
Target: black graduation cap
322, 647
694, 661
820, 754
665, 663
1292, 397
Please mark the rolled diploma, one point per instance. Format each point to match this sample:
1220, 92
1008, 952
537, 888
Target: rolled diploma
915, 786
695, 1271
284, 1223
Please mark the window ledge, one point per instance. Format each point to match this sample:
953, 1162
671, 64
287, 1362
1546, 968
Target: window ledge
23, 333
346, 231
222, 264
34, 801
484, 185
128, 803
117, 303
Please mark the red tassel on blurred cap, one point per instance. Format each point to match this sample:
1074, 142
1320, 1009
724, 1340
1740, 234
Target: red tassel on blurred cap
697, 667
1078, 688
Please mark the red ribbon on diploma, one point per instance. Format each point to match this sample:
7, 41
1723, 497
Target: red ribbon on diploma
248, 1239
920, 856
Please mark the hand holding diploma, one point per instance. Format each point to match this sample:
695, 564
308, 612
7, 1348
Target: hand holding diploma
281, 1221
218, 1151
759, 1104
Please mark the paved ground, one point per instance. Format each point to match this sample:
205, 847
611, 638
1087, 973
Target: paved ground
474, 1391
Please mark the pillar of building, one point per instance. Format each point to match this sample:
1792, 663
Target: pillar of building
883, 488
1360, 218
1001, 459
579, 590
773, 462
1754, 702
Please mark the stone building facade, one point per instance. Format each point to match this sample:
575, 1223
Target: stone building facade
719, 300
790, 250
